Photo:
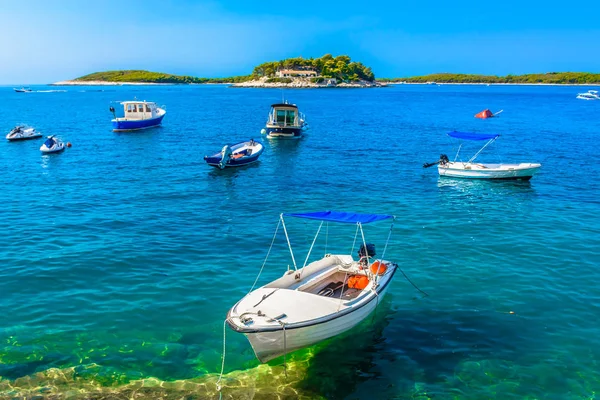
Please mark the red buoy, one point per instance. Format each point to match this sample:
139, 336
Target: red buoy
484, 114
68, 144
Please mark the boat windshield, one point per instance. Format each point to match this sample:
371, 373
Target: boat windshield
285, 117
49, 143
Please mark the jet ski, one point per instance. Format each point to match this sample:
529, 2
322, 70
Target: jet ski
22, 133
52, 145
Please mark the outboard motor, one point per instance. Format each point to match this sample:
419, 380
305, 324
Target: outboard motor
225, 155
364, 253
444, 159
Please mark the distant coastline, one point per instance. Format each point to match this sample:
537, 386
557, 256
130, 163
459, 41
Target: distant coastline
104, 83
349, 75
554, 78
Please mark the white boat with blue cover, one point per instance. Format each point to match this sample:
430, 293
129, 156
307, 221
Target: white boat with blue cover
236, 155
473, 170
22, 133
285, 122
52, 145
315, 301
138, 115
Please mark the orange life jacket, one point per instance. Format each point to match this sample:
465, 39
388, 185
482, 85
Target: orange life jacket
358, 282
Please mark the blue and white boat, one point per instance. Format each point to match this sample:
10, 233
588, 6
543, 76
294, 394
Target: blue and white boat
236, 155
285, 122
138, 115
22, 90
52, 145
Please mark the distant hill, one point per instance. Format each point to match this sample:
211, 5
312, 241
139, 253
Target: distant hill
141, 76
548, 78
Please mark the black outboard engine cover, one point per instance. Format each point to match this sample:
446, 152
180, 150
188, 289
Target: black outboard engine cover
370, 250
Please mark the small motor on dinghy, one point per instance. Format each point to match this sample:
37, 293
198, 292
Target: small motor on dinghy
22, 133
52, 145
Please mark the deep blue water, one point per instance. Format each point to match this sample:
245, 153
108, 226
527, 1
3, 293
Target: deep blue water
122, 255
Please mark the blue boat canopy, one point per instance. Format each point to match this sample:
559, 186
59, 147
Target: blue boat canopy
472, 136
340, 216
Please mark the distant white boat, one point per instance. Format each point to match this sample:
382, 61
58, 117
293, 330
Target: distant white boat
589, 95
473, 170
22, 90
316, 301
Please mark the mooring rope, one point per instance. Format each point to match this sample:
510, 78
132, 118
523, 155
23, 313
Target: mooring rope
266, 258
219, 387
284, 347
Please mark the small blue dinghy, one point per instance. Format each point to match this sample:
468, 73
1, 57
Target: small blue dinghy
236, 155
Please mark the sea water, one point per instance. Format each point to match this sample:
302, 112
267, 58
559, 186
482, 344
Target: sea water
121, 256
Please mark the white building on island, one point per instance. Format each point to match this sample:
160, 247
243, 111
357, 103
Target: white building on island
292, 73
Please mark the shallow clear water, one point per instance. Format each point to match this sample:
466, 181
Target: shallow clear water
123, 254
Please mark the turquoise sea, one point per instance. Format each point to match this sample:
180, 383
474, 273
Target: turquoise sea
121, 256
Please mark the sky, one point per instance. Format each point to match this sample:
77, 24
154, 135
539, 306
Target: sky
47, 41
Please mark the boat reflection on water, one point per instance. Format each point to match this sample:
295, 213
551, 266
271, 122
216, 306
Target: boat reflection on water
341, 364
497, 186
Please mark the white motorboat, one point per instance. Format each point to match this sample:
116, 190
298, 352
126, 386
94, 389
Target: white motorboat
316, 301
52, 145
589, 95
22, 90
22, 133
473, 170
285, 122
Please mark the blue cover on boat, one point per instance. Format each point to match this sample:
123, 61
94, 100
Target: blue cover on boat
472, 136
340, 216
49, 143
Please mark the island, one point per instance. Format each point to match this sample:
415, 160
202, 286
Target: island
326, 72
323, 72
549, 78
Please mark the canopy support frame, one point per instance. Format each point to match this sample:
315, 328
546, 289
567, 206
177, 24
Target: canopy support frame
287, 237
480, 150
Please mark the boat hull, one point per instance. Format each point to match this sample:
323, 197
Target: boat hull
272, 344
480, 171
134, 125
58, 149
283, 133
214, 161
